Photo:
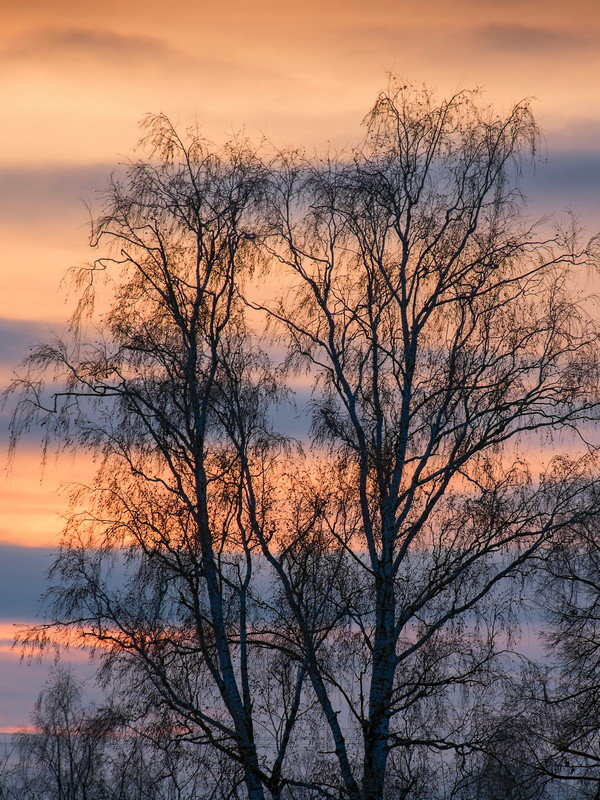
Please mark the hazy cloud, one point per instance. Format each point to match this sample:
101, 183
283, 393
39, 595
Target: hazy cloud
17, 337
33, 194
582, 135
567, 179
106, 49
96, 45
514, 37
22, 580
572, 171
20, 683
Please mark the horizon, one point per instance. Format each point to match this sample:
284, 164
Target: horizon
78, 81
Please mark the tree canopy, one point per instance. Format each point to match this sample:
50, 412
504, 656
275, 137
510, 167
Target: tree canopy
332, 617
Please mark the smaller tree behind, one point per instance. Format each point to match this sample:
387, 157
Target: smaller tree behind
569, 706
63, 758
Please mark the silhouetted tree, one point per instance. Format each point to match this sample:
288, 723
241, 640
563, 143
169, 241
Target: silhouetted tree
561, 699
170, 397
75, 751
62, 758
324, 623
443, 334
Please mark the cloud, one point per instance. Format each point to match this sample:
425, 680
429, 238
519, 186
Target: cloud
22, 679
22, 580
63, 48
104, 46
31, 195
515, 38
567, 179
17, 337
580, 135
574, 171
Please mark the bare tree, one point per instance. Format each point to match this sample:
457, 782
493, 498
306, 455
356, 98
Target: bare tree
443, 334
75, 750
62, 758
7, 759
171, 398
562, 698
324, 623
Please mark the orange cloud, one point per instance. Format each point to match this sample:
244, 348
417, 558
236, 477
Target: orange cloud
528, 39
107, 48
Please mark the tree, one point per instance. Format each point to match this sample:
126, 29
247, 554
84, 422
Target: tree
563, 697
443, 334
361, 595
76, 751
171, 398
63, 758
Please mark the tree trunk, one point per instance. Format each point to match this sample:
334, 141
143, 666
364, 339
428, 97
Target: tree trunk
382, 681
253, 786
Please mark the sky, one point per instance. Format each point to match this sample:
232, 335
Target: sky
77, 77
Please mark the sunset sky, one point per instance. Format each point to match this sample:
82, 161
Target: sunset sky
77, 77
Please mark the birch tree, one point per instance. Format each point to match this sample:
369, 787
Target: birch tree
170, 396
325, 619
447, 340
